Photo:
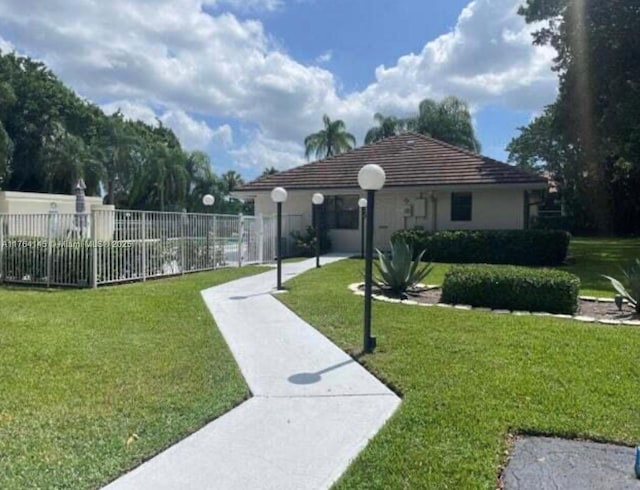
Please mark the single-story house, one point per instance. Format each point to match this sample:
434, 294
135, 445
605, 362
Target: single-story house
429, 184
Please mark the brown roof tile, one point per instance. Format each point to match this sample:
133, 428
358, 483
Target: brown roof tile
408, 159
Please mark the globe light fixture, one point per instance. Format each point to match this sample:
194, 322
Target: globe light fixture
317, 199
362, 204
371, 178
208, 200
279, 195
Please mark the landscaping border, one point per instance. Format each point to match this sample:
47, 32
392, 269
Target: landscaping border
355, 289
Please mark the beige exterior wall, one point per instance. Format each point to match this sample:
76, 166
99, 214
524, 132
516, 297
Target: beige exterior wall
37, 203
497, 208
52, 214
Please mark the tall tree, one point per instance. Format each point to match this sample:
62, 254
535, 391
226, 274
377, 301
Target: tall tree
387, 126
329, 141
598, 105
448, 120
231, 180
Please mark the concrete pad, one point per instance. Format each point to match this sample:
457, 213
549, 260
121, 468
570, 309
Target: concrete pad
314, 408
541, 463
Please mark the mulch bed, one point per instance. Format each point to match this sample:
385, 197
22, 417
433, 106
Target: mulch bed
599, 310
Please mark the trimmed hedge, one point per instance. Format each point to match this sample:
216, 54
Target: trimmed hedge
514, 247
511, 288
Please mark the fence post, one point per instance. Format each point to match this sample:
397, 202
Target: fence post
143, 236
49, 250
260, 225
240, 239
1, 249
183, 218
213, 239
94, 250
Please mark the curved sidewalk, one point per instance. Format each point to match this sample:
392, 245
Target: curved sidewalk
313, 408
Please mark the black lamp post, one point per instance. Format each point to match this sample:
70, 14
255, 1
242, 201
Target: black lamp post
279, 195
317, 201
371, 179
362, 204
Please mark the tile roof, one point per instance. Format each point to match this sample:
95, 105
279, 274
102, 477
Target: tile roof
409, 159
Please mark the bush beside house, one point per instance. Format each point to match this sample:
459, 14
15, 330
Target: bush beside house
514, 247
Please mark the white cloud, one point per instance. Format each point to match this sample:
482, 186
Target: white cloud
249, 5
133, 110
262, 152
324, 57
193, 134
173, 54
6, 46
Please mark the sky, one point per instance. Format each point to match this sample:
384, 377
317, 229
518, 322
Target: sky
247, 80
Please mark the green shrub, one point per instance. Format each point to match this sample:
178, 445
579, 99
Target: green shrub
514, 247
400, 273
632, 290
511, 288
305, 241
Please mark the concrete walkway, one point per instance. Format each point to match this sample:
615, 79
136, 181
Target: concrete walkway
313, 408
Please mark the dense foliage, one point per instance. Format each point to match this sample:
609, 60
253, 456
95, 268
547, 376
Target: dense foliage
589, 138
515, 247
50, 137
511, 288
305, 241
448, 120
331, 140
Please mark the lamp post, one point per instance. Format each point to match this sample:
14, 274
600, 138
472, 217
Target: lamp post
371, 179
279, 195
317, 201
362, 204
208, 201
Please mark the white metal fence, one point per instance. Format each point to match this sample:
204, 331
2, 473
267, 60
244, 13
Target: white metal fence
108, 247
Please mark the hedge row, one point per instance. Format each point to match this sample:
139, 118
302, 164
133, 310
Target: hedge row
511, 288
515, 247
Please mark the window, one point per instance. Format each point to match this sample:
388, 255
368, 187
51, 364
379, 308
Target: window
340, 212
461, 204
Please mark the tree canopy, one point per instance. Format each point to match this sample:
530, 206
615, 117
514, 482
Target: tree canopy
50, 137
329, 141
589, 138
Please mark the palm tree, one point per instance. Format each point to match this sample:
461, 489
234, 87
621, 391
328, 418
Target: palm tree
231, 180
269, 171
387, 126
200, 180
330, 141
448, 120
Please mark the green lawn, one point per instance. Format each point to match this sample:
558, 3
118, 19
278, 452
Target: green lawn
469, 379
82, 371
592, 257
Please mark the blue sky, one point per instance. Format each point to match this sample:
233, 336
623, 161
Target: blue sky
246, 80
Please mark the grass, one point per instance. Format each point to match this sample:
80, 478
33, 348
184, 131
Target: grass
84, 371
592, 257
469, 379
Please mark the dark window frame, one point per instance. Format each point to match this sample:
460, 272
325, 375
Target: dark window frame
340, 212
461, 206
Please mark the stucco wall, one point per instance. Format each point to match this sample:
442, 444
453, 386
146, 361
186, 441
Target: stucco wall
491, 209
39, 215
37, 203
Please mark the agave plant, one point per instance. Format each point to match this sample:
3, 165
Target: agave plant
632, 276
400, 273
